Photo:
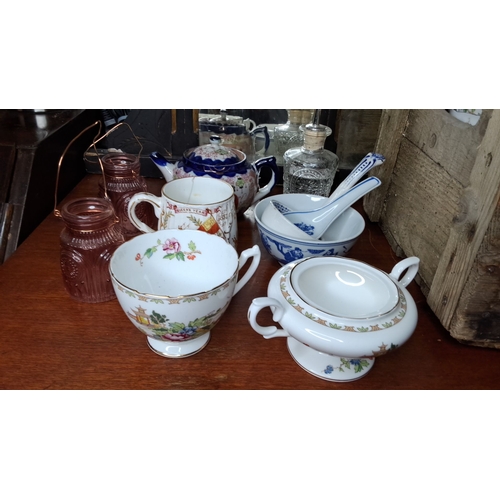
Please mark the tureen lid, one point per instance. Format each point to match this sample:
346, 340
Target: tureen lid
215, 154
344, 287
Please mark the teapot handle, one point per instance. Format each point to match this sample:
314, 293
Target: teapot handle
268, 161
253, 252
268, 332
410, 265
132, 204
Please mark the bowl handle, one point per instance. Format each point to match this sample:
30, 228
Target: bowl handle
410, 265
253, 252
268, 332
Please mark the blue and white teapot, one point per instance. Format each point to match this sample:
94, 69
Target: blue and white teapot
224, 163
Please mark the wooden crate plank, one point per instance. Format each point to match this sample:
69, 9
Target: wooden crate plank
449, 142
421, 202
477, 320
479, 200
391, 129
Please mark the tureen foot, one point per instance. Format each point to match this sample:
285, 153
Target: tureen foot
327, 366
178, 349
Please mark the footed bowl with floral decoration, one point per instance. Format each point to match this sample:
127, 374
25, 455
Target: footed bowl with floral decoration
339, 314
175, 285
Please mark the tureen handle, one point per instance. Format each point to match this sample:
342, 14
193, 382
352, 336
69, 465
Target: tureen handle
410, 265
268, 332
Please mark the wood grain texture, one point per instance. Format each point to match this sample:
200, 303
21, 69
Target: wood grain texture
392, 126
477, 318
447, 141
49, 341
441, 204
421, 202
480, 199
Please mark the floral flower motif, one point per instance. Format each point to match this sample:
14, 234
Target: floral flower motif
358, 364
171, 246
172, 249
159, 326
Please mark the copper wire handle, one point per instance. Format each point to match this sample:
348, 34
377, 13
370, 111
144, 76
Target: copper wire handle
57, 212
97, 154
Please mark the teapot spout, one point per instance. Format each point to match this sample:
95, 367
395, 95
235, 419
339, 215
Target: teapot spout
164, 166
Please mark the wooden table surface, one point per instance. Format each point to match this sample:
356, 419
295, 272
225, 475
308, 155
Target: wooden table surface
50, 341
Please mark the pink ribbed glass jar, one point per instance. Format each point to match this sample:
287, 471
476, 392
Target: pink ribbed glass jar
88, 241
123, 180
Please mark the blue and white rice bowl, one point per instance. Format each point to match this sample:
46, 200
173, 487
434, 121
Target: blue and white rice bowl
338, 239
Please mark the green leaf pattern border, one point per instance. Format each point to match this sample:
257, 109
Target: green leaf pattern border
177, 300
347, 364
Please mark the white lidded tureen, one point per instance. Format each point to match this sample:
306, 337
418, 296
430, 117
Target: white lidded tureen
339, 314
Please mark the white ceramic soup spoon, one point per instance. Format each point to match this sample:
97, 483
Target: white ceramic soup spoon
316, 222
370, 161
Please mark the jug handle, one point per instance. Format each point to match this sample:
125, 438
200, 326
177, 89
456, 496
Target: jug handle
249, 124
263, 130
253, 252
269, 161
410, 265
132, 204
268, 332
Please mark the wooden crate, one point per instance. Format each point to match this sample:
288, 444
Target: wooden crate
439, 200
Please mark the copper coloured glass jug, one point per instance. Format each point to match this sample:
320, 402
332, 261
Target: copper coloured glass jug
122, 180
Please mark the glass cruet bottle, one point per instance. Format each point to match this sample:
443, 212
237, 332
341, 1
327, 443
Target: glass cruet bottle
87, 242
123, 180
289, 135
310, 168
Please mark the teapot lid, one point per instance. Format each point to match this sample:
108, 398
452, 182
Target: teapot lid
215, 154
